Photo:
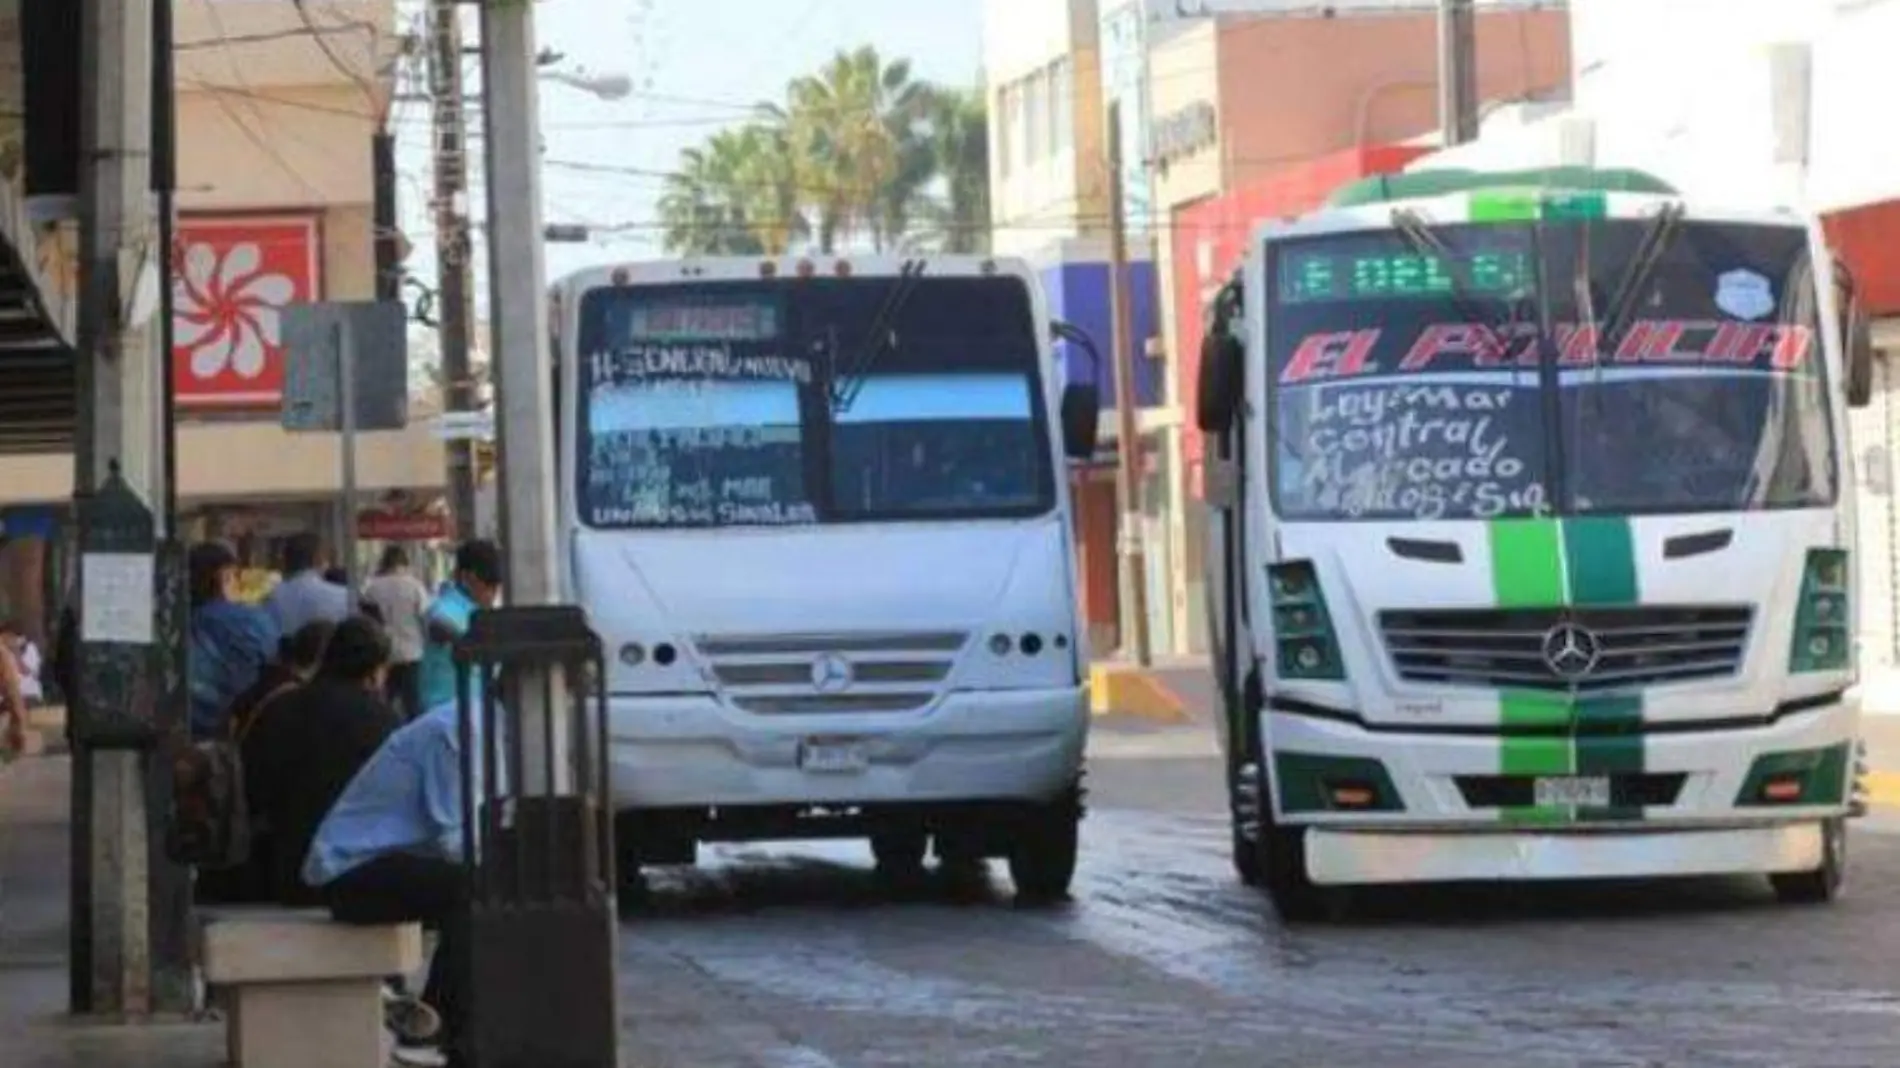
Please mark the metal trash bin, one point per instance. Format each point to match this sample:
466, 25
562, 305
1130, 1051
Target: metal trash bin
537, 814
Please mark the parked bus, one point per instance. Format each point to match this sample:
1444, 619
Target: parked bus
1531, 537
819, 512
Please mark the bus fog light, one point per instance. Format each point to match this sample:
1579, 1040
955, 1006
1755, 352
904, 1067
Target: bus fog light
1031, 643
633, 654
664, 654
999, 644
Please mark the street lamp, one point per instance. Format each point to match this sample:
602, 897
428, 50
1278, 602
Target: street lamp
604, 86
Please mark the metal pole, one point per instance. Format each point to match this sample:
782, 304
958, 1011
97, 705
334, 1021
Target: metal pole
524, 410
452, 248
120, 372
388, 244
1134, 569
346, 407
1458, 71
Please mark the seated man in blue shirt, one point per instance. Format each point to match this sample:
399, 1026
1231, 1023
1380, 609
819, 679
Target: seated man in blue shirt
475, 585
390, 851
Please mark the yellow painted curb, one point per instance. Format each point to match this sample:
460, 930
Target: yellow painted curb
1118, 689
1883, 788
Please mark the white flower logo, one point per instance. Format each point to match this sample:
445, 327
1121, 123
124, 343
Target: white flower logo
227, 311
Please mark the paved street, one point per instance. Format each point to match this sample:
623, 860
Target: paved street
792, 958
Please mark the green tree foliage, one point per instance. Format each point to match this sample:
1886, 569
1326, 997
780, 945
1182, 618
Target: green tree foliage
859, 152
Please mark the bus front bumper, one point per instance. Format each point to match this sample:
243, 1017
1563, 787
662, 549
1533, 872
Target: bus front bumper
1337, 857
691, 751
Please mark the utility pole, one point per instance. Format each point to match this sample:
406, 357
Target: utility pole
1457, 71
1133, 572
540, 692
129, 902
453, 248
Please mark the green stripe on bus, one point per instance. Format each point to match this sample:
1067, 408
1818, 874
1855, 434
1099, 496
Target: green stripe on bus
1526, 563
1610, 742
1600, 560
1539, 754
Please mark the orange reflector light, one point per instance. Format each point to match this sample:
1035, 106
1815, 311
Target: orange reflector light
1352, 796
1782, 790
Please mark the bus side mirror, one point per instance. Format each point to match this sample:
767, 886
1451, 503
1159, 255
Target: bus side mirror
1857, 335
1218, 392
1081, 419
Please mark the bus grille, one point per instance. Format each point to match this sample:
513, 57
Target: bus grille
871, 671
1639, 646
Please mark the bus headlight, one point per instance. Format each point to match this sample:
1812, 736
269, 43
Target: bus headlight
1302, 628
1820, 625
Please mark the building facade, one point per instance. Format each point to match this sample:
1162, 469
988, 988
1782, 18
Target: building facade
274, 206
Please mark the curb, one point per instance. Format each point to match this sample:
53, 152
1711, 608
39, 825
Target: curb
1881, 788
1119, 689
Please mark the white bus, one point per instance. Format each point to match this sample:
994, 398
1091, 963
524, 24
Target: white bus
819, 513
1530, 549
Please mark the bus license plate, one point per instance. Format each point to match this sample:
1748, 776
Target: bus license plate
1578, 791
833, 756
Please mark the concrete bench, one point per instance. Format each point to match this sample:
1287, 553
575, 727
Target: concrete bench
300, 990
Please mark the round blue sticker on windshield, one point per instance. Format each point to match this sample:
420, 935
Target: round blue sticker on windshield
1744, 294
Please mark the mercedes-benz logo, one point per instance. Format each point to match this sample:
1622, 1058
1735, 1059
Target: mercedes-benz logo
1571, 651
830, 673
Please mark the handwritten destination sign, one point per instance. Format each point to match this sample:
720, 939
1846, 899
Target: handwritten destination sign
1427, 451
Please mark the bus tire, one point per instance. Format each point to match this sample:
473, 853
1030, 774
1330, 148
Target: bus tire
1042, 857
1280, 855
1823, 884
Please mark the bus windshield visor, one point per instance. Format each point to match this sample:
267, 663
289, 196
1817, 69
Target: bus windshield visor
804, 401
1497, 373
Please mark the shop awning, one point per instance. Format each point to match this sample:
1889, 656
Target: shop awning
37, 389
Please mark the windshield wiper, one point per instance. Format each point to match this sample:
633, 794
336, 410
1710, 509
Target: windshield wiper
1418, 234
1656, 242
846, 386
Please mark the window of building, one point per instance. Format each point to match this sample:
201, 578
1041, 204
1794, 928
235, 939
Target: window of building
1062, 105
1005, 129
1036, 104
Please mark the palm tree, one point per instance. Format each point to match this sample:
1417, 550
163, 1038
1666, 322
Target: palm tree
703, 209
960, 155
848, 126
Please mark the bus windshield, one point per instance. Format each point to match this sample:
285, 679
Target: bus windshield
1493, 378
803, 401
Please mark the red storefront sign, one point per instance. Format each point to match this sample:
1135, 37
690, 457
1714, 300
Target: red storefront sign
234, 275
402, 526
1211, 236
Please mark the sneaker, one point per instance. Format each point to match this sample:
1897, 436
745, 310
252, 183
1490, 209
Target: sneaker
418, 1056
410, 1018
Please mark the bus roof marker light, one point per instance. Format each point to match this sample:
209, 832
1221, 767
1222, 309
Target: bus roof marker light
1502, 205
767, 269
843, 268
807, 268
621, 276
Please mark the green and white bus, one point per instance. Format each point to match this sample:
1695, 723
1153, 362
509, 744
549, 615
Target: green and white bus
1531, 538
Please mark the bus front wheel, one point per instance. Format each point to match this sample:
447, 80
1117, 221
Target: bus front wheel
1824, 883
1042, 856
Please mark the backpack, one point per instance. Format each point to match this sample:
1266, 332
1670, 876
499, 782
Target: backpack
210, 824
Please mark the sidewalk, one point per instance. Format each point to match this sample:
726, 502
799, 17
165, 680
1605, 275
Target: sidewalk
34, 1030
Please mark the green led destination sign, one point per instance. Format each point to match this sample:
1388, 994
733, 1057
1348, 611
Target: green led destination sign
1329, 275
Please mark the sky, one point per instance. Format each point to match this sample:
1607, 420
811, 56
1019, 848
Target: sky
696, 65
